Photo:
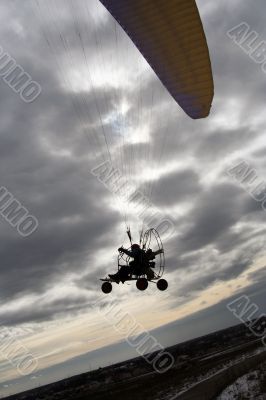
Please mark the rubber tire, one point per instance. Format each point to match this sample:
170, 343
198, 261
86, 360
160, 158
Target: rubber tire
162, 284
107, 287
142, 284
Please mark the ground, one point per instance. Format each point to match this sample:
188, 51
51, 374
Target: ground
196, 361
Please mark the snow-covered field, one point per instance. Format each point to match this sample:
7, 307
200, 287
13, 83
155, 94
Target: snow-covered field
250, 386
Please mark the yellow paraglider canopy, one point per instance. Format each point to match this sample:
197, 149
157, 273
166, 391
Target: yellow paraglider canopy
170, 36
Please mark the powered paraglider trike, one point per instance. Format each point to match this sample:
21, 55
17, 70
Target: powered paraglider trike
152, 265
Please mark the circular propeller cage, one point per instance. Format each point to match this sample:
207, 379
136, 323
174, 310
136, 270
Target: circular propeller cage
149, 240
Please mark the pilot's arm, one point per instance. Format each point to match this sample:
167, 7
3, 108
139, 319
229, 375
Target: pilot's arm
158, 252
127, 252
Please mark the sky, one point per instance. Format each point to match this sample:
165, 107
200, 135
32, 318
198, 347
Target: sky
97, 89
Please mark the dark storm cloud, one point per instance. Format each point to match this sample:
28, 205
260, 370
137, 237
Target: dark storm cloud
260, 153
254, 209
215, 212
219, 142
42, 311
216, 275
181, 262
176, 187
58, 247
236, 240
236, 75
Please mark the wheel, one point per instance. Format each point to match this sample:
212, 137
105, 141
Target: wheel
162, 284
142, 283
106, 287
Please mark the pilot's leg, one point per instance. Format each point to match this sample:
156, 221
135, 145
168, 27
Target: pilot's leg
124, 273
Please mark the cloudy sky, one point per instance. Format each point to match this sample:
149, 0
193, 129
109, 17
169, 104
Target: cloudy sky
97, 89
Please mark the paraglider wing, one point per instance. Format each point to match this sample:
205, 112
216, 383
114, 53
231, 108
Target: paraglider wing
170, 36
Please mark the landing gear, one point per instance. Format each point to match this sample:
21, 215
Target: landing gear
162, 284
107, 287
142, 284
